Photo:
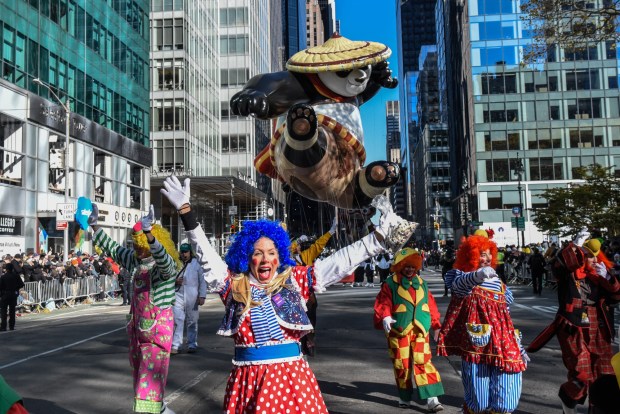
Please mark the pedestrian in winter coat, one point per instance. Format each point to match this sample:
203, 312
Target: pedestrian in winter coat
10, 285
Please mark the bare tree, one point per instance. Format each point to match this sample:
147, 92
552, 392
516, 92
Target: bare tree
571, 24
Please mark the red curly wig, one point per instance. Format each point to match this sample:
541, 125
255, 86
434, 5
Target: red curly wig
468, 254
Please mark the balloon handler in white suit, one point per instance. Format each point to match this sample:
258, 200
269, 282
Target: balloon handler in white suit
264, 294
190, 293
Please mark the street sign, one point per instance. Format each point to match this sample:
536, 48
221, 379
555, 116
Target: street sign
61, 225
517, 222
516, 211
232, 210
477, 223
65, 211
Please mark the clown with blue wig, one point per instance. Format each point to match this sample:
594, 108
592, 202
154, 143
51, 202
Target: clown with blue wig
264, 294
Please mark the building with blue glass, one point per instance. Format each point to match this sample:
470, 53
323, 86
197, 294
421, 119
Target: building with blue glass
93, 55
531, 125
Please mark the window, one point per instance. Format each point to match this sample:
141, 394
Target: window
234, 76
235, 16
234, 45
11, 159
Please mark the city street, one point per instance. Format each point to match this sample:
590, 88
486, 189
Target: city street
75, 360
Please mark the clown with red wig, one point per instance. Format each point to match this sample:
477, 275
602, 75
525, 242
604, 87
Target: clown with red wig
406, 310
587, 289
479, 329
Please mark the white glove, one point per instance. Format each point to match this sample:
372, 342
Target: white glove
581, 237
388, 321
601, 270
177, 194
302, 238
334, 226
147, 221
526, 358
485, 273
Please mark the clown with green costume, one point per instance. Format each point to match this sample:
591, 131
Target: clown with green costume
406, 310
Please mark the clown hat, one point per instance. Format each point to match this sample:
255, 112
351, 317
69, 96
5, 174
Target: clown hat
407, 256
336, 54
592, 246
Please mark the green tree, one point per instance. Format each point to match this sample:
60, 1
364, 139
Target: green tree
594, 202
571, 24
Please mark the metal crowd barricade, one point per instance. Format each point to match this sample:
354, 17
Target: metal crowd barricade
37, 294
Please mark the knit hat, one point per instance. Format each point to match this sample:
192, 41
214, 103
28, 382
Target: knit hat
337, 54
407, 256
592, 246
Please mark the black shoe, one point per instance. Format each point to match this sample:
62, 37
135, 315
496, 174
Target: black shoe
12, 329
191, 350
2, 329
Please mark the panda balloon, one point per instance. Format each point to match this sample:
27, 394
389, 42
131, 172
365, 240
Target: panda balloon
318, 145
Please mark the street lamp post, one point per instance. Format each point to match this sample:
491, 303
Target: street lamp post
519, 171
66, 107
465, 208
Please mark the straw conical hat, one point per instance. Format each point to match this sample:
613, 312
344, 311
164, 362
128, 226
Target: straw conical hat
338, 53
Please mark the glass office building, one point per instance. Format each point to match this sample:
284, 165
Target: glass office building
93, 54
556, 116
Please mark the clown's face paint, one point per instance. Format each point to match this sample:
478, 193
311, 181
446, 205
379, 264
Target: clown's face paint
265, 260
408, 271
485, 258
347, 83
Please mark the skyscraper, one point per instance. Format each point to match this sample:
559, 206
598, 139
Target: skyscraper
554, 116
89, 57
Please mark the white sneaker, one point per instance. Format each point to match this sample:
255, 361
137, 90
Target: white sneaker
433, 405
566, 409
403, 404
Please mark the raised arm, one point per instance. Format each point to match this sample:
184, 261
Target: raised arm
215, 269
119, 254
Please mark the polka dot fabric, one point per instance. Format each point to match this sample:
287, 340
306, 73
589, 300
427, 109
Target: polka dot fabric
278, 388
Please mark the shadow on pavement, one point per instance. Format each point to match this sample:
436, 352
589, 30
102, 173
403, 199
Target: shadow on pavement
37, 406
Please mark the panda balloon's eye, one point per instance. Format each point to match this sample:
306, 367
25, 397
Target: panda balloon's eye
343, 73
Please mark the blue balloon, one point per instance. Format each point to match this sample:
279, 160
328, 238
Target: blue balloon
82, 212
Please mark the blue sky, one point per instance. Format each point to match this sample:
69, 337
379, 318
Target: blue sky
374, 21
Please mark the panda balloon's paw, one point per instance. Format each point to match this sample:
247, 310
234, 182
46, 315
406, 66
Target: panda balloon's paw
382, 173
301, 122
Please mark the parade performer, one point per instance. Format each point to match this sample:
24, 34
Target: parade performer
307, 257
191, 292
406, 310
587, 291
264, 294
154, 263
478, 328
318, 145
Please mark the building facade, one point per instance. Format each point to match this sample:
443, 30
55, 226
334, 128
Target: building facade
94, 56
552, 116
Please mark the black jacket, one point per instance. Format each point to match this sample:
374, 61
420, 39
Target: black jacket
10, 284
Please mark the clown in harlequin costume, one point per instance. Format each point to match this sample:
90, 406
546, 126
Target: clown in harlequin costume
264, 295
154, 263
587, 291
478, 328
318, 144
406, 310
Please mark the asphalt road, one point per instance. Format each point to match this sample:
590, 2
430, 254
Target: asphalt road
75, 360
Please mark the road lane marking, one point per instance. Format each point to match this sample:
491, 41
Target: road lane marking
51, 351
188, 385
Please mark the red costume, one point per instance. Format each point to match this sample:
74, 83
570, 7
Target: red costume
584, 322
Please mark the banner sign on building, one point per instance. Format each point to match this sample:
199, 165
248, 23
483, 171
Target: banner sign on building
10, 226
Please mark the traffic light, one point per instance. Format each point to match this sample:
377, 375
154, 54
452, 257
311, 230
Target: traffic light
436, 225
234, 226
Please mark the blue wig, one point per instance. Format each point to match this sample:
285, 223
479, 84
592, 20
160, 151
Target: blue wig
242, 248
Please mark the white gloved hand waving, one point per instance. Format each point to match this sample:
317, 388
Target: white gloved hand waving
388, 321
485, 273
581, 237
148, 220
177, 193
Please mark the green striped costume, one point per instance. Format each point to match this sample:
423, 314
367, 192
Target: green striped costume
163, 275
